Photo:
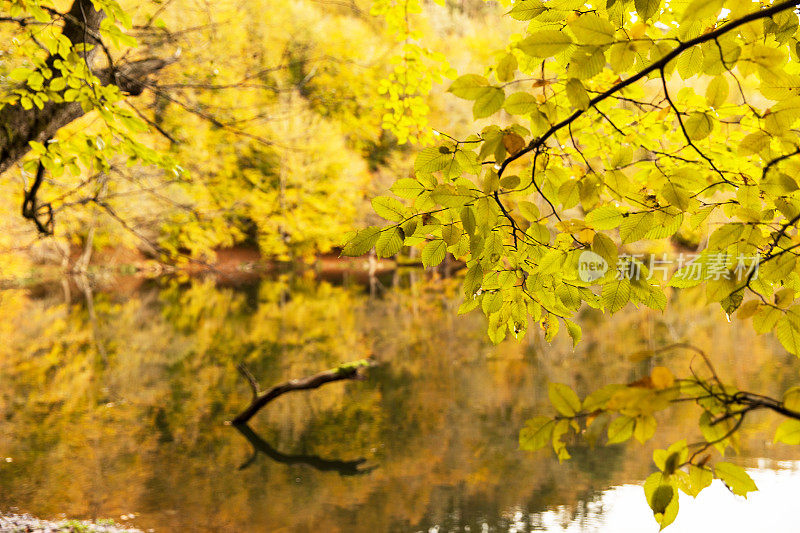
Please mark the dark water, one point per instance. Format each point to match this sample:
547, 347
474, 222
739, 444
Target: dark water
114, 406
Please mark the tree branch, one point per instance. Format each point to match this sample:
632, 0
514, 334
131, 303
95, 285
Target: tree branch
342, 372
20, 126
31, 209
686, 133
656, 66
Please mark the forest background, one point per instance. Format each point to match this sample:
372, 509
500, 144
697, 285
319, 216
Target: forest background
269, 125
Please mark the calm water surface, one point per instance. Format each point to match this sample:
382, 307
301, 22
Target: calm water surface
113, 404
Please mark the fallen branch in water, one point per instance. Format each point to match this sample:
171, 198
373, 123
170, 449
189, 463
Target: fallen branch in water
344, 371
344, 468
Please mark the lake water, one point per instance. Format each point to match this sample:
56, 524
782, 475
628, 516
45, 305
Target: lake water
113, 405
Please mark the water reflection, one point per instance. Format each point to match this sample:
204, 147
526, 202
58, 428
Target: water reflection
118, 408
344, 468
619, 509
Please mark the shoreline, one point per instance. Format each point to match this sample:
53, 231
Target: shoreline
25, 523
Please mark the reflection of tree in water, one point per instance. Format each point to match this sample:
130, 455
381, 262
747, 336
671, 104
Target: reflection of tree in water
440, 419
456, 507
344, 468
600, 463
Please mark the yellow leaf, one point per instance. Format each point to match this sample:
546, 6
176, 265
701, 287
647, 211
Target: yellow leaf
699, 126
563, 399
788, 432
662, 378
545, 43
717, 91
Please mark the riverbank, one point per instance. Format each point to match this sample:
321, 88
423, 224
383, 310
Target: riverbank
24, 523
231, 266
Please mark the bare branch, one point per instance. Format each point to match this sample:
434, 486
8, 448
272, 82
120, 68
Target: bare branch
342, 372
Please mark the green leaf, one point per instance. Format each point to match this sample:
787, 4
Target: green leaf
664, 504
635, 227
536, 434
714, 432
661, 498
38, 148
469, 86
576, 94
448, 196
699, 126
467, 161
676, 195
551, 262
586, 62
574, 331
506, 68
473, 280
699, 479
434, 253
621, 429
527, 10
539, 233
560, 429
58, 84
766, 318
622, 56
604, 217
598, 399
791, 399
569, 193
563, 399
662, 501
432, 159
510, 182
451, 234
603, 246
616, 294
717, 91
38, 13
489, 102
409, 227
690, 62
362, 242
701, 9
738, 481
390, 242
520, 104
407, 188
645, 428
468, 305
788, 432
669, 459
545, 43
647, 8
592, 29
528, 210
492, 302
389, 208
788, 334
467, 215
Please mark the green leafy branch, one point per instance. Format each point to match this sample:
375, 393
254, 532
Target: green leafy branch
653, 67
616, 413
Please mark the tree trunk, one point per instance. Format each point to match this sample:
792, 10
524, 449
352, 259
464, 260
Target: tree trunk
19, 126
